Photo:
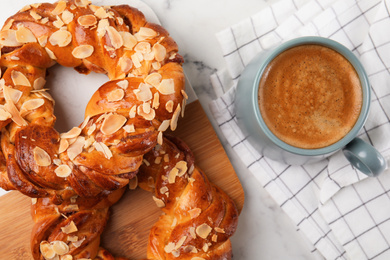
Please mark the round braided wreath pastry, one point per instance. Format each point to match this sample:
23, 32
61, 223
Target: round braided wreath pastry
75, 177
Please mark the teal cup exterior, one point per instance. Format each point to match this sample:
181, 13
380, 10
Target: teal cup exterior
361, 154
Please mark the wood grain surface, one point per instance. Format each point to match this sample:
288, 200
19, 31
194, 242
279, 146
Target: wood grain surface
132, 217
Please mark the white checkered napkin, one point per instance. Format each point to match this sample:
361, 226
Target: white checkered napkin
344, 214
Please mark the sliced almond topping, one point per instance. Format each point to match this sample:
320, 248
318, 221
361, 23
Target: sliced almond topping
101, 147
169, 247
163, 189
124, 84
30, 105
67, 17
69, 228
129, 128
39, 83
102, 27
125, 64
164, 125
82, 51
91, 129
78, 243
156, 65
219, 230
175, 118
8, 38
82, 3
60, 247
112, 124
172, 175
50, 53
146, 111
195, 212
89, 142
45, 20
133, 111
203, 230
160, 52
133, 183
143, 47
160, 138
58, 23
181, 167
156, 100
60, 7
57, 161
72, 133
143, 93
101, 13
41, 157
205, 248
87, 20
76, 148
129, 40
180, 242
192, 232
4, 115
85, 122
169, 106
160, 203
34, 201
166, 87
14, 94
115, 37
47, 250
11, 108
24, 35
63, 171
154, 79
66, 257
19, 79
115, 95
42, 40
145, 33
136, 61
61, 38
25, 8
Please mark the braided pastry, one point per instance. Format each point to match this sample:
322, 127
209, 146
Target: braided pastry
125, 117
199, 217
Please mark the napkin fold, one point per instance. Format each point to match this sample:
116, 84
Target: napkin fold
342, 212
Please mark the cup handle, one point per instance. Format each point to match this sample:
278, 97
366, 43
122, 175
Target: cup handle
365, 157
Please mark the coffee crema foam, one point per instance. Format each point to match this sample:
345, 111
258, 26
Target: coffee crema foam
310, 96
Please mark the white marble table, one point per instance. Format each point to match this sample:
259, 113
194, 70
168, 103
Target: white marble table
264, 231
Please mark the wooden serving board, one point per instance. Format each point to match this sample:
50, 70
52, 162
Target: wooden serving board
132, 217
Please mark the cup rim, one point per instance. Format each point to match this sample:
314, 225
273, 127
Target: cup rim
363, 80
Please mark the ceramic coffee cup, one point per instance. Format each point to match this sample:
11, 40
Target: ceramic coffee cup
362, 155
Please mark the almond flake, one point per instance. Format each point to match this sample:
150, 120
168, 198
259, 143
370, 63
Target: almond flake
41, 157
160, 203
101, 13
136, 60
169, 247
112, 124
143, 94
60, 247
169, 106
129, 40
160, 138
219, 230
163, 189
85, 122
45, 20
91, 129
82, 51
129, 128
58, 23
102, 27
64, 144
166, 87
156, 100
156, 65
78, 243
25, 8
145, 33
146, 112
194, 212
205, 248
172, 175
143, 47
115, 37
76, 148
67, 17
31, 105
57, 161
123, 84
175, 118
133, 111
180, 242
125, 64
24, 35
8, 38
203, 230
66, 257
154, 79
60, 7
133, 183
47, 250
14, 94
164, 125
69, 228
181, 167
11, 108
61, 38
50, 53
101, 147
87, 20
19, 79
115, 95
4, 115
160, 52
42, 40
34, 201
192, 232
63, 171
39, 83
72, 133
